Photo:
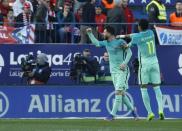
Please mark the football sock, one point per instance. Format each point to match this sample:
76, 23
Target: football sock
158, 95
117, 103
127, 102
146, 100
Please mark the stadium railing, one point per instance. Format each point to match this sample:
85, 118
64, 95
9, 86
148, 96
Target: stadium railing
50, 33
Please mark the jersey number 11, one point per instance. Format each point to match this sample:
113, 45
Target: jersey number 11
150, 45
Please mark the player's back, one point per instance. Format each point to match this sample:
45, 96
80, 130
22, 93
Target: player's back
146, 47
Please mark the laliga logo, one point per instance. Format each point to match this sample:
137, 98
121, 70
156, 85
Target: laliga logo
4, 104
122, 111
180, 64
1, 63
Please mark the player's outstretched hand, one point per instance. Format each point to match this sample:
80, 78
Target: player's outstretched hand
89, 30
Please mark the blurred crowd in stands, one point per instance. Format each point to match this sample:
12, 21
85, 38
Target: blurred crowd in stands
66, 21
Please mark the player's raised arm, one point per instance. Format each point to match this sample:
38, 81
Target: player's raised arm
123, 36
92, 37
133, 37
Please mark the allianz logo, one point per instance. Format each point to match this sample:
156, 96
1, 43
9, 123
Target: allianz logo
4, 104
57, 103
47, 103
180, 64
123, 111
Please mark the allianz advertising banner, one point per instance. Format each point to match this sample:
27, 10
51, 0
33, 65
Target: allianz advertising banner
60, 57
80, 101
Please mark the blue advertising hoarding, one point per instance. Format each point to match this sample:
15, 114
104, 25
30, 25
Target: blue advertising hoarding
60, 57
170, 61
80, 101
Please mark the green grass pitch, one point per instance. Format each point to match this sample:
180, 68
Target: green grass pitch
88, 125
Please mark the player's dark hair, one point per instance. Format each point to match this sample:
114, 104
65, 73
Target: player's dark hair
110, 29
144, 24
